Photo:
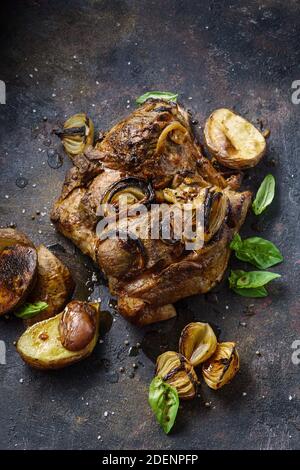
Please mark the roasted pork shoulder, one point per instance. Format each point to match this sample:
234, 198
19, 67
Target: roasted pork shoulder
153, 158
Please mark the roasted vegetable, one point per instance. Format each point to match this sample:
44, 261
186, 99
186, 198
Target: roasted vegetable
175, 131
121, 257
177, 371
54, 285
77, 134
77, 325
10, 237
233, 140
134, 190
222, 366
41, 345
18, 269
197, 342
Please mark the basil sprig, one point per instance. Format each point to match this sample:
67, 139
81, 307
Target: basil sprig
158, 95
264, 195
251, 283
255, 250
30, 310
164, 402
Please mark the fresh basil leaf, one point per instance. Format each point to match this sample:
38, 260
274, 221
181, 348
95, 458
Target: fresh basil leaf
234, 275
163, 95
256, 292
258, 251
164, 402
30, 310
236, 242
250, 284
264, 195
253, 279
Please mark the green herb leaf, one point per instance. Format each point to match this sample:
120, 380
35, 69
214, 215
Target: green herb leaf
264, 195
250, 284
164, 402
258, 251
254, 292
234, 275
30, 310
254, 279
236, 242
163, 95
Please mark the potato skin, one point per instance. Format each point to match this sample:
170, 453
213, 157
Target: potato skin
54, 285
18, 269
32, 350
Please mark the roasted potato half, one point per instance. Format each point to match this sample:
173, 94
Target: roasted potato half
54, 343
54, 285
233, 140
18, 269
10, 237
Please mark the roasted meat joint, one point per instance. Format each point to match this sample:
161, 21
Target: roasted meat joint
152, 159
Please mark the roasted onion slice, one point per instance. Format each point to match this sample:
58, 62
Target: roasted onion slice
222, 366
197, 342
215, 212
135, 190
177, 133
77, 133
177, 371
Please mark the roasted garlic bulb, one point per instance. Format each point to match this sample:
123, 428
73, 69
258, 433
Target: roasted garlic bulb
197, 342
222, 366
77, 133
178, 372
233, 140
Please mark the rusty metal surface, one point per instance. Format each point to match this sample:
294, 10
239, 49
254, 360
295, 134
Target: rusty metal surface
58, 58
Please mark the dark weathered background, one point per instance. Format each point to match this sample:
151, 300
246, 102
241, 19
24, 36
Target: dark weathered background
62, 57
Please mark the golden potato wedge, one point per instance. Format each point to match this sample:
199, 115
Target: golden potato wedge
233, 140
10, 237
41, 346
54, 285
18, 269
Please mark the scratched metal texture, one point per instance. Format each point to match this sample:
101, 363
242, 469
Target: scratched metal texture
58, 58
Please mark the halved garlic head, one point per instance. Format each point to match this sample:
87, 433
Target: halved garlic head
178, 372
233, 140
197, 342
222, 366
77, 133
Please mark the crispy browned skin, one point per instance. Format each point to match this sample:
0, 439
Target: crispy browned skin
147, 290
54, 285
18, 269
11, 236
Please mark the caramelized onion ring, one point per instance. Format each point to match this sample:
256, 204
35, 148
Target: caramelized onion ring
140, 190
164, 134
